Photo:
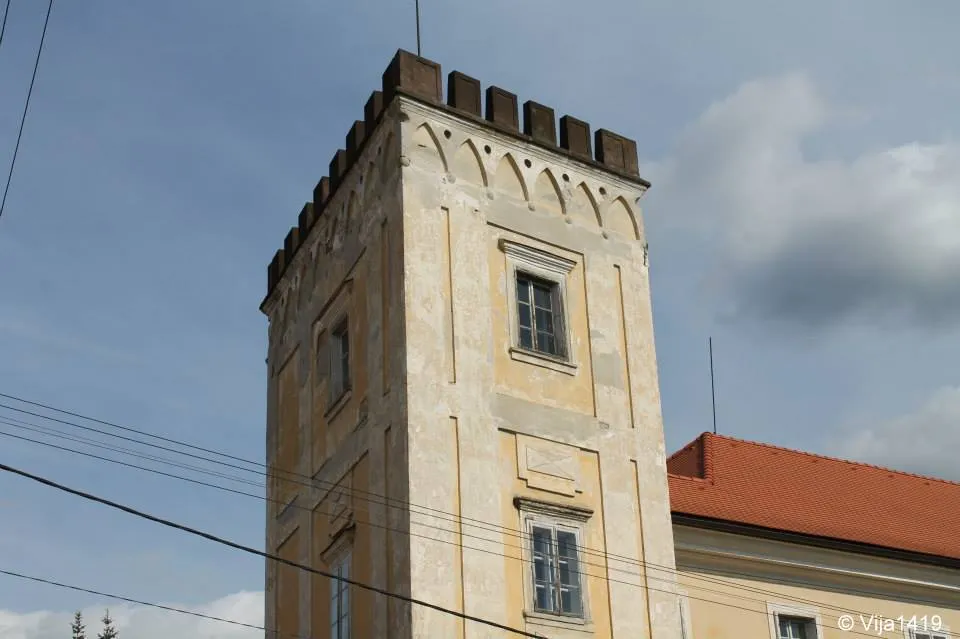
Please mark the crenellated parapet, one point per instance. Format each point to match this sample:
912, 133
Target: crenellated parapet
496, 108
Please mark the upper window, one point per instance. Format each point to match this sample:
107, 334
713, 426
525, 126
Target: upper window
539, 315
796, 628
919, 634
339, 360
537, 296
340, 600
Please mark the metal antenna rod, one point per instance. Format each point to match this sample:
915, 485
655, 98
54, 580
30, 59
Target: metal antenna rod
713, 392
418, 26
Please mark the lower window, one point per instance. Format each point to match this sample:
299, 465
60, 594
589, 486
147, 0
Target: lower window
557, 584
796, 628
340, 600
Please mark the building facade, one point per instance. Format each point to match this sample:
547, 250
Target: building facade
463, 397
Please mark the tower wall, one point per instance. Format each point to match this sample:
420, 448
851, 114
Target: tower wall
429, 214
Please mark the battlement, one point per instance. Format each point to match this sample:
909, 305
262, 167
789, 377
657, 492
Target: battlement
421, 79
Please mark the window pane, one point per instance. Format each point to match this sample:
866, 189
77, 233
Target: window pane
544, 320
524, 315
334, 607
526, 338
543, 569
345, 356
569, 566
542, 297
792, 628
546, 343
523, 289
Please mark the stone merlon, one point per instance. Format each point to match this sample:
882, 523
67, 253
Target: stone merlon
421, 79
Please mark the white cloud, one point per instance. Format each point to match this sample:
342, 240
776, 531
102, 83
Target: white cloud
143, 622
815, 240
923, 442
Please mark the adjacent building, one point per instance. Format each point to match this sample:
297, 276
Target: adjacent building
775, 543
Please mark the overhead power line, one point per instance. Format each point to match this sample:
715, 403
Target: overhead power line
51, 582
724, 593
358, 494
26, 105
3, 27
253, 551
352, 582
283, 475
736, 587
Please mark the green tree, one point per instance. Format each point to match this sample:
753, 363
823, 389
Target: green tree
108, 632
77, 628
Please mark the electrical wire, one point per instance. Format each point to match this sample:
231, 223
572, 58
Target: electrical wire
780, 596
585, 550
26, 106
3, 27
234, 545
139, 602
287, 476
260, 553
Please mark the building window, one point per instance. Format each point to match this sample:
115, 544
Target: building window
539, 307
339, 360
340, 600
539, 315
557, 585
919, 634
796, 628
794, 621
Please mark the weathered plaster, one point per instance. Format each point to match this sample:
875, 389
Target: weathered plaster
442, 413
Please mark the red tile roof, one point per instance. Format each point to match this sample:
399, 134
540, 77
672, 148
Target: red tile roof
761, 485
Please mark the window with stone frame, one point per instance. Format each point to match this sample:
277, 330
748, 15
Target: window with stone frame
538, 306
556, 583
790, 627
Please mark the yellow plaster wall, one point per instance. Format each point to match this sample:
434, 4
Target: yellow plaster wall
288, 588
362, 600
726, 606
288, 430
535, 383
593, 565
332, 423
357, 482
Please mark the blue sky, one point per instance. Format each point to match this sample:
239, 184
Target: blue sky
805, 212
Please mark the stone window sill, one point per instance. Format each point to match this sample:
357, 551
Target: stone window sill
543, 360
558, 621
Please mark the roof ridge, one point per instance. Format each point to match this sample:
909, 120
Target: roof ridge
708, 436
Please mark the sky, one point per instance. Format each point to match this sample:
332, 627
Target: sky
805, 213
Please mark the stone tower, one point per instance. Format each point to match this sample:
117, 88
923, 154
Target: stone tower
463, 396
